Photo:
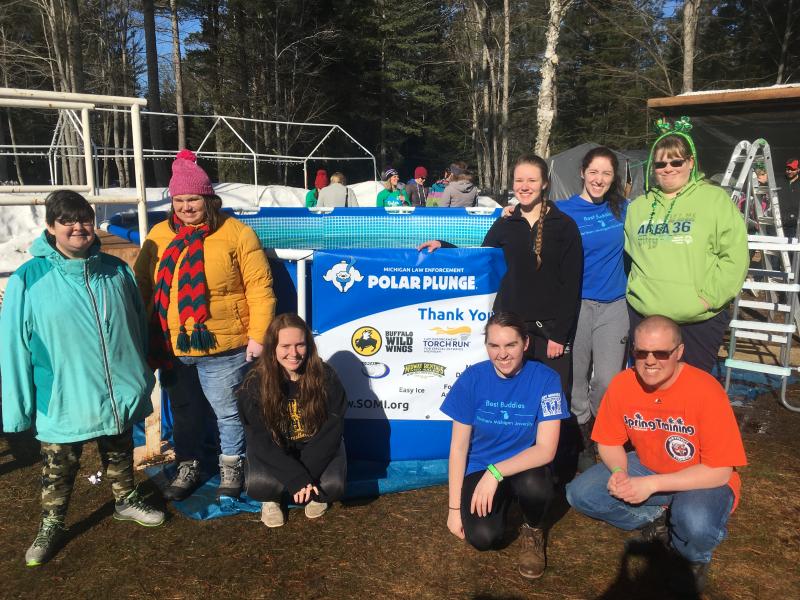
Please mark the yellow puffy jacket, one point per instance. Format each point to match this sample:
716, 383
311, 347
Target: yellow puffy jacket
241, 302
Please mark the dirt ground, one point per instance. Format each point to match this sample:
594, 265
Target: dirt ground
395, 546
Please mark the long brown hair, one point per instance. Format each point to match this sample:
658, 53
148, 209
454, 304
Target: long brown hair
270, 380
538, 161
613, 196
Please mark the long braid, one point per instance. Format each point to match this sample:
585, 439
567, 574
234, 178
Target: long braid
539, 229
541, 165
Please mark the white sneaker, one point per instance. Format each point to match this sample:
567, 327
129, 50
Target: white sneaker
272, 514
314, 510
134, 508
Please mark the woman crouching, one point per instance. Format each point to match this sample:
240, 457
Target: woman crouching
506, 414
292, 405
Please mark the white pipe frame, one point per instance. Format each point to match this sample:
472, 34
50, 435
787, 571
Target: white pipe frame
67, 103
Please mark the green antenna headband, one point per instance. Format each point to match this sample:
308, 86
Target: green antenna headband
680, 128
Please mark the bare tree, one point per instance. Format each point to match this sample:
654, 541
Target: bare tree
546, 105
176, 63
504, 102
153, 92
792, 15
482, 50
691, 14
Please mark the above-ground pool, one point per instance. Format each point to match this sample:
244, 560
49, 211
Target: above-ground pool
408, 366
301, 228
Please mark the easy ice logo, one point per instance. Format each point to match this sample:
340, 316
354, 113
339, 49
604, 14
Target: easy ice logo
343, 275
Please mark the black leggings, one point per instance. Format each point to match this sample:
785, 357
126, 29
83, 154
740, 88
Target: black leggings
533, 489
262, 486
537, 350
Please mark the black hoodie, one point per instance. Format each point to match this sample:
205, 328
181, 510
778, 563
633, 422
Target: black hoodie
552, 294
301, 462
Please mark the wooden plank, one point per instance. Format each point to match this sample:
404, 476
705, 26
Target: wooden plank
116, 246
790, 94
152, 426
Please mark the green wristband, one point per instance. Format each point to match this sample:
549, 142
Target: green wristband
616, 470
497, 474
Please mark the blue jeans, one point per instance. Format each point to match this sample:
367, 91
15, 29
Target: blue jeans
697, 518
201, 381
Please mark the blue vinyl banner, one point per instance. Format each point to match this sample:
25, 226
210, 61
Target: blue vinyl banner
399, 326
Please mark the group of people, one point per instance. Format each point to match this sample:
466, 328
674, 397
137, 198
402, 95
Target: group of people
588, 279
199, 307
456, 189
568, 310
331, 192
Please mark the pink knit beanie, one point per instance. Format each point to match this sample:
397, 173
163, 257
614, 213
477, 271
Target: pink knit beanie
188, 177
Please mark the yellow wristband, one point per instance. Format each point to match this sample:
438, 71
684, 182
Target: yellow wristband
616, 470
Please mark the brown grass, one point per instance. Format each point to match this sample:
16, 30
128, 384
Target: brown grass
396, 546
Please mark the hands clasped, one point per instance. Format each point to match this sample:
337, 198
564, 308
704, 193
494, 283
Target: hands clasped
633, 490
305, 494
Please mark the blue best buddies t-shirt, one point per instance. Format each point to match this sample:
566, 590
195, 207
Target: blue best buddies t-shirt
503, 413
603, 238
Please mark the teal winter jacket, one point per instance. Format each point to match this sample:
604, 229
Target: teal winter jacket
72, 347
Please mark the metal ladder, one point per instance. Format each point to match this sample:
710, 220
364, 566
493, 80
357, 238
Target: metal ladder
747, 188
780, 283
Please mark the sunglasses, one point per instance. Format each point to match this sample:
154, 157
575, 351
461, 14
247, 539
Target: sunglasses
657, 354
675, 163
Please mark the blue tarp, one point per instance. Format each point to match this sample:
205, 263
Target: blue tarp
365, 479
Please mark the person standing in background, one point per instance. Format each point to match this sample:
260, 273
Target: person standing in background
789, 196
437, 189
337, 194
391, 194
461, 190
416, 189
320, 181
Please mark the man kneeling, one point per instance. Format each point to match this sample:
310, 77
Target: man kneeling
679, 484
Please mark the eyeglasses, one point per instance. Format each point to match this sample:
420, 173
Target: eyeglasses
66, 223
675, 163
657, 354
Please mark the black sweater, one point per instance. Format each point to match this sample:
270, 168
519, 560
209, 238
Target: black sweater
298, 463
553, 293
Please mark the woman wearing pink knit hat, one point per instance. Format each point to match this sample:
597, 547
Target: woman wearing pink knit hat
208, 288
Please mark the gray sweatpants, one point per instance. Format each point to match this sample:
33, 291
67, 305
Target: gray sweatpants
598, 353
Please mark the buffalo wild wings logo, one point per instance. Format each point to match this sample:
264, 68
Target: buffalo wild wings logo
366, 341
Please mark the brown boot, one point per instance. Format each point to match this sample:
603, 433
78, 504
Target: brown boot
532, 559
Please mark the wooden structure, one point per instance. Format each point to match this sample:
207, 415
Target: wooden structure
722, 118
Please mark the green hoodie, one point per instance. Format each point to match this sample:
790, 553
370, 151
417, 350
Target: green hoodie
700, 252
72, 344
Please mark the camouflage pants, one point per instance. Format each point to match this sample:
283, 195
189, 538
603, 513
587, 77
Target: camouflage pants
60, 467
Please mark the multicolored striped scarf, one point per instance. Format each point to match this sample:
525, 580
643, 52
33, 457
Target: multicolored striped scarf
192, 290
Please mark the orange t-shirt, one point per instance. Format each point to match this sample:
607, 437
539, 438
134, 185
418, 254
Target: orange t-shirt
689, 423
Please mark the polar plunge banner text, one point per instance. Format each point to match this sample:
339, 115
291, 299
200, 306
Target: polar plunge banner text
400, 326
